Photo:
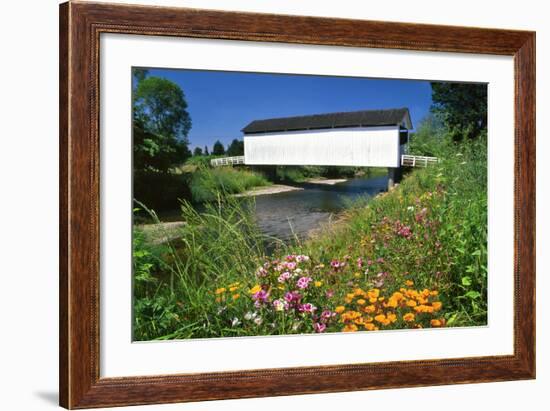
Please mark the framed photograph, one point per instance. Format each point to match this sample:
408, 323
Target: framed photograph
260, 205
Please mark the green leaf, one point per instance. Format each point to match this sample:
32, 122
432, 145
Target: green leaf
473, 295
466, 281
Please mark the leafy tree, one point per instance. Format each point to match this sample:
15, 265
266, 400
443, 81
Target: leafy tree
462, 107
236, 148
140, 74
427, 138
161, 124
197, 152
218, 148
206, 153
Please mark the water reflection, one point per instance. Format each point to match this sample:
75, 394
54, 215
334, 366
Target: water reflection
298, 212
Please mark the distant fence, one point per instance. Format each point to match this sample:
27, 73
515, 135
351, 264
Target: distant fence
417, 161
227, 161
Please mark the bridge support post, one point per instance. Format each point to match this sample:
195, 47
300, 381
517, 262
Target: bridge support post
394, 176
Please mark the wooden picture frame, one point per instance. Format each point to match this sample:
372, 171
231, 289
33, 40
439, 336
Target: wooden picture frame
80, 27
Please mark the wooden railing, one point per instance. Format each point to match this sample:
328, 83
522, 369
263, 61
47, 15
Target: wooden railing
417, 161
227, 161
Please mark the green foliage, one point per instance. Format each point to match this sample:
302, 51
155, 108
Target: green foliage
197, 152
236, 148
428, 138
208, 183
218, 148
161, 123
462, 107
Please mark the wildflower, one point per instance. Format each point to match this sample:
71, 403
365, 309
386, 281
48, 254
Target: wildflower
318, 283
411, 303
409, 283
409, 317
258, 320
437, 305
329, 293
319, 327
361, 301
260, 297
350, 328
261, 272
301, 258
337, 264
290, 257
369, 309
370, 327
303, 282
326, 314
307, 308
220, 291
235, 296
233, 288
291, 266
380, 260
255, 289
436, 323
235, 322
250, 315
410, 208
280, 305
340, 309
359, 262
284, 276
292, 297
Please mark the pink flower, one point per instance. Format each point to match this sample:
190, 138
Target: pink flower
291, 266
293, 297
359, 262
380, 260
319, 327
306, 308
260, 297
327, 314
290, 257
337, 264
280, 305
261, 272
284, 276
303, 282
301, 258
329, 293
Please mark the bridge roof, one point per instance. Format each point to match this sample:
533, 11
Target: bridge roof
363, 118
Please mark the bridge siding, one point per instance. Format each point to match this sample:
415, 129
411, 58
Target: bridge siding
373, 146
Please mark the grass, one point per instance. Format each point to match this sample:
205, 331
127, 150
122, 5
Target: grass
414, 257
206, 183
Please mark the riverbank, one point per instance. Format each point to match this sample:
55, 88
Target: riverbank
265, 190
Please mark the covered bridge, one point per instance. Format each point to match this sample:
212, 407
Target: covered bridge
370, 138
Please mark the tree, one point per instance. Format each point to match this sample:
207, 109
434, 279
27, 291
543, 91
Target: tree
197, 152
236, 148
161, 118
462, 107
218, 148
206, 153
139, 74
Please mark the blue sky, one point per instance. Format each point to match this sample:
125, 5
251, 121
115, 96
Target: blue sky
222, 103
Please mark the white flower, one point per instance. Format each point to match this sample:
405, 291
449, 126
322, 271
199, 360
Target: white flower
410, 208
258, 321
250, 315
235, 322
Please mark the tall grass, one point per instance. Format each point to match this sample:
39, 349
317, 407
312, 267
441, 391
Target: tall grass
206, 183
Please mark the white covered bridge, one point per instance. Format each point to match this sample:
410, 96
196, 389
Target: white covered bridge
368, 138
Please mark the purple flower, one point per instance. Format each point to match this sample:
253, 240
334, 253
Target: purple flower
293, 297
337, 264
300, 258
260, 297
284, 276
291, 266
261, 272
306, 308
290, 257
319, 327
326, 314
280, 305
303, 282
